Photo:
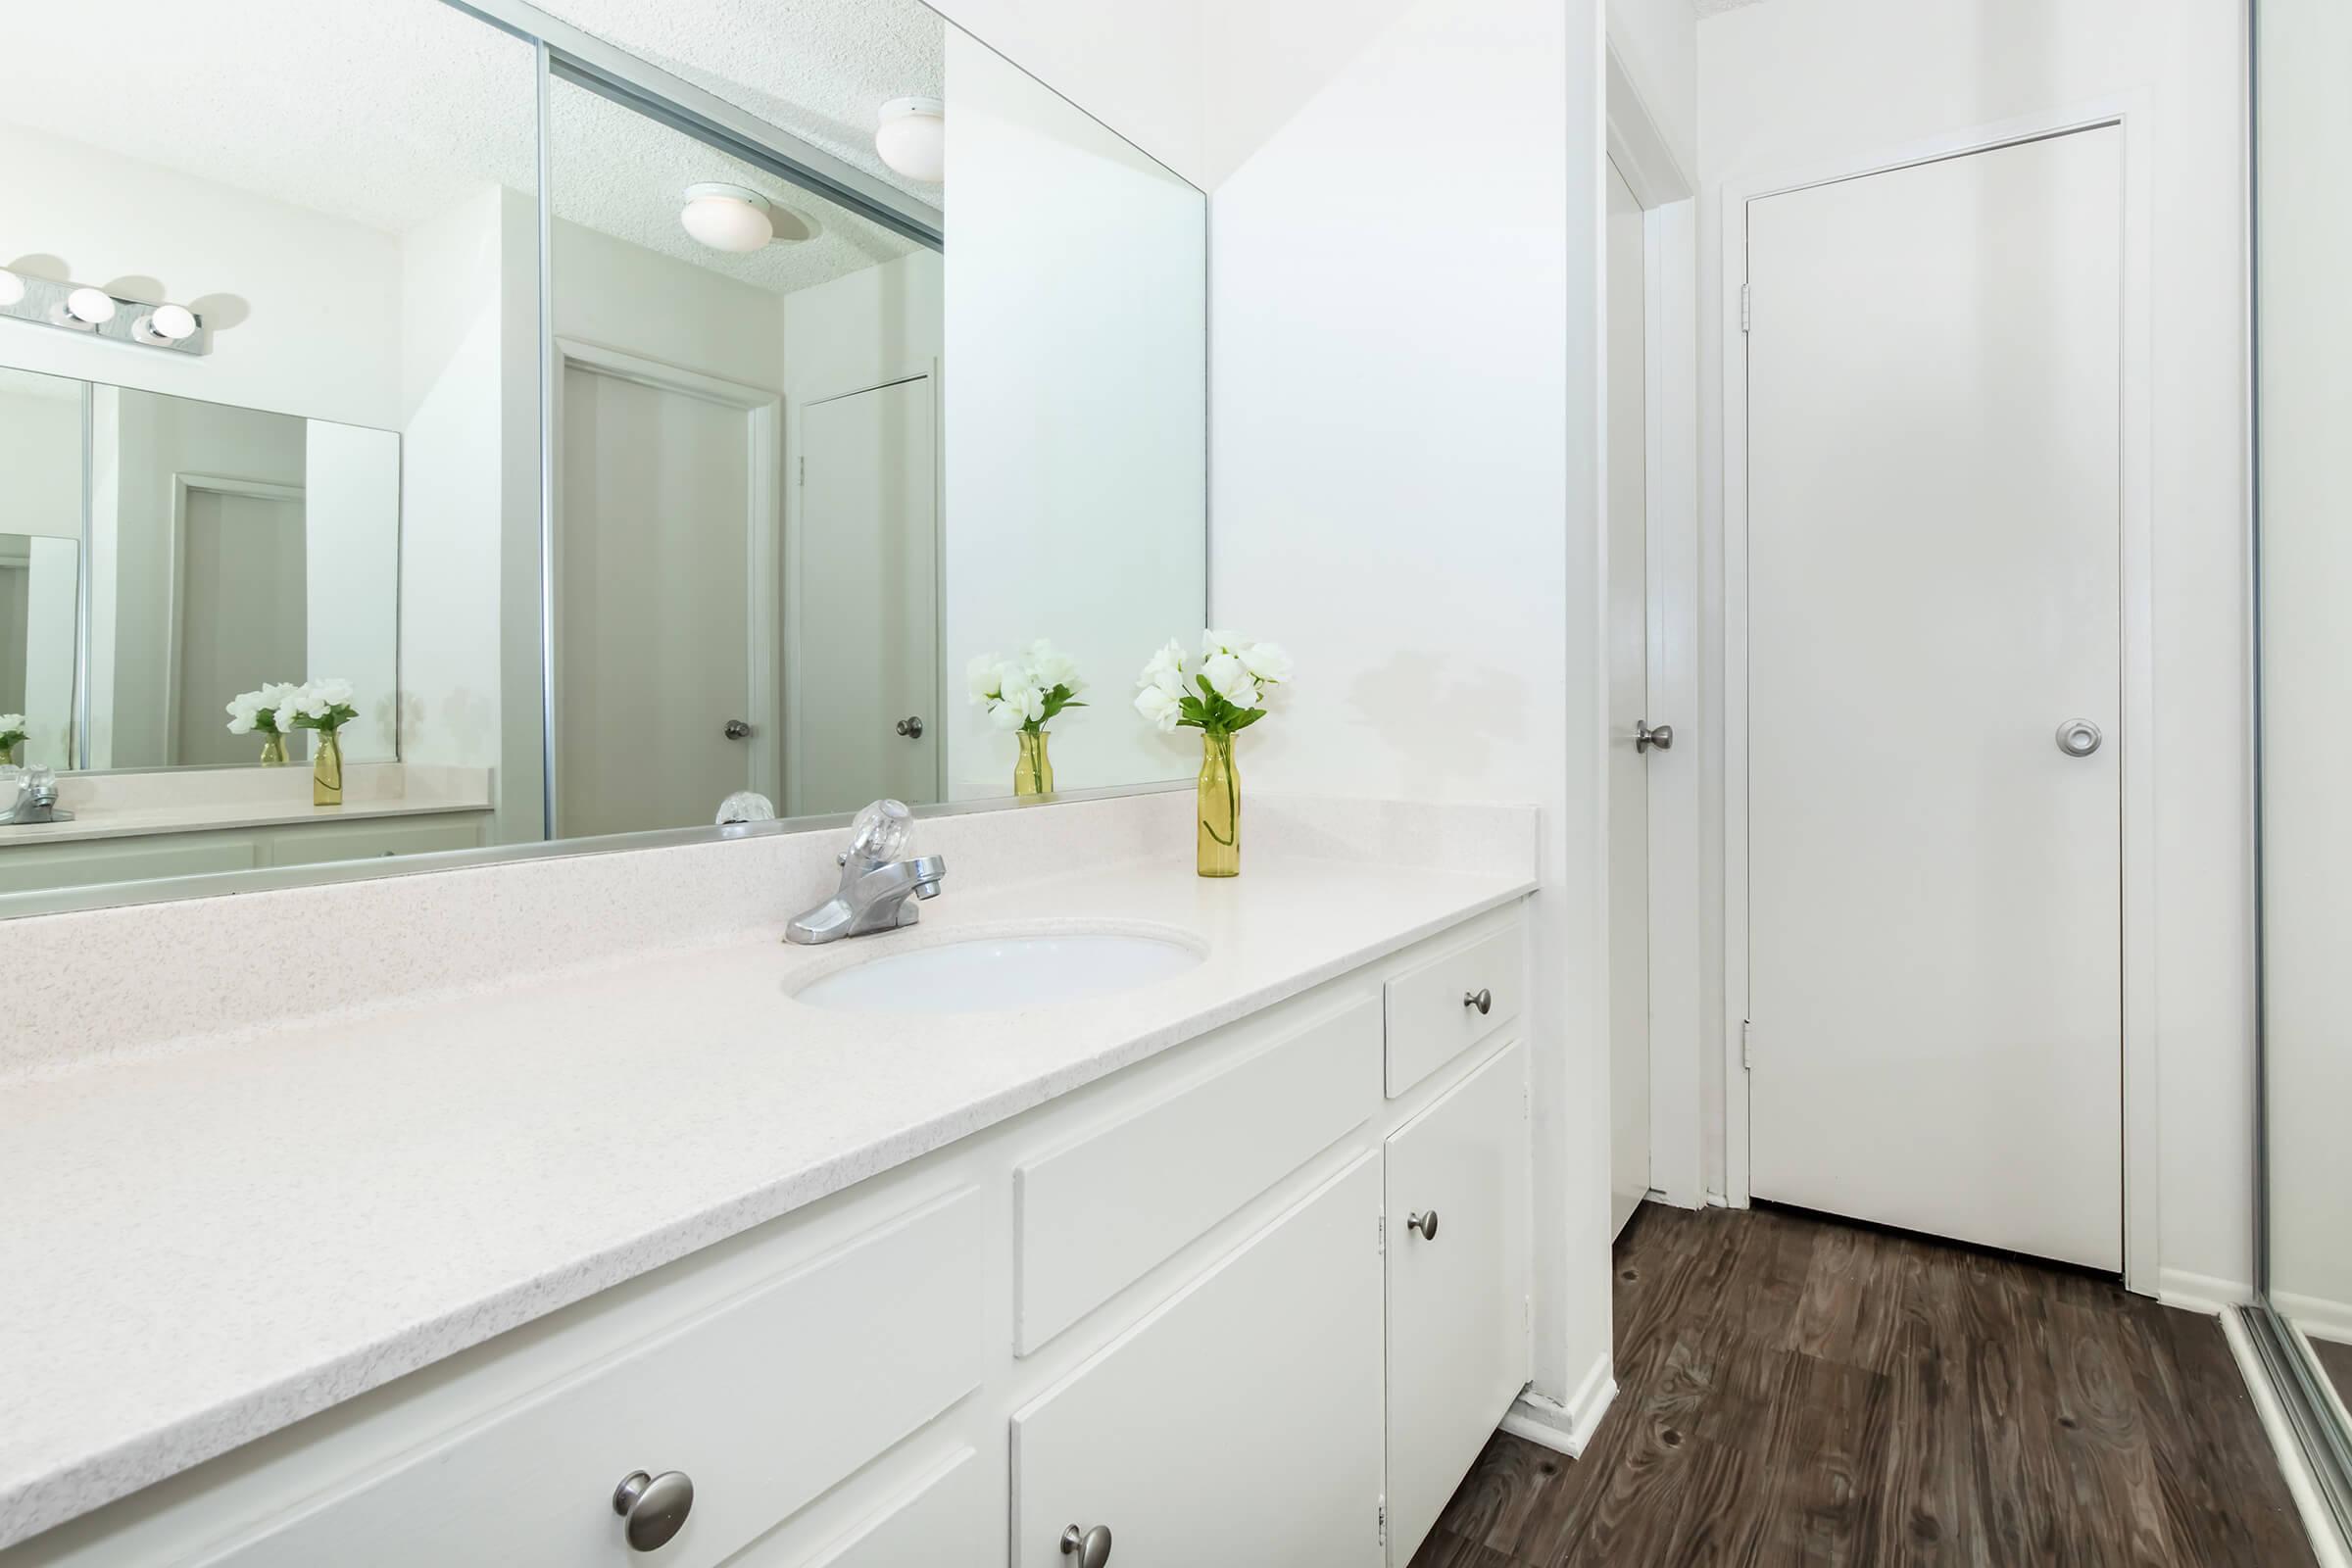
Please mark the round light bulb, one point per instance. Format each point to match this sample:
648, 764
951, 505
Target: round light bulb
173, 322
90, 305
12, 288
913, 139
727, 218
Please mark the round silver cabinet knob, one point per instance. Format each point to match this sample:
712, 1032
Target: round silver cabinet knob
2078, 737
1482, 998
912, 727
653, 1507
1092, 1547
1426, 1224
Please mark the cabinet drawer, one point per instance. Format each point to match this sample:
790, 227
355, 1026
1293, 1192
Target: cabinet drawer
763, 1402
1238, 1423
950, 1517
1457, 1342
1095, 1216
1429, 1021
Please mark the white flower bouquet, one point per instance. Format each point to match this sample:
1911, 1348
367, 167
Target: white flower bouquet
1024, 694
256, 711
1220, 695
11, 736
324, 705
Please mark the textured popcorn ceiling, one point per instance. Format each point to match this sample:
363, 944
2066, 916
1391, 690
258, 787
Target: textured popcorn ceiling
387, 112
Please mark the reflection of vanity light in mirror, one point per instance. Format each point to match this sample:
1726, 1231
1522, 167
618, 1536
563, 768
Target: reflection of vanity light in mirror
912, 138
12, 288
727, 218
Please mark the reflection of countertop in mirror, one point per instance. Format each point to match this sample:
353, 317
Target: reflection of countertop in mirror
212, 1239
107, 805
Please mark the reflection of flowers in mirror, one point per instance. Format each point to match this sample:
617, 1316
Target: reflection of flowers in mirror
1026, 691
11, 736
253, 710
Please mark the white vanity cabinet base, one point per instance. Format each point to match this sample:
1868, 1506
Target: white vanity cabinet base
1457, 1332
765, 1402
1240, 1423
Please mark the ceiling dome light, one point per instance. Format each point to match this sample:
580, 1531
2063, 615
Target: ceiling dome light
12, 288
90, 305
913, 139
727, 218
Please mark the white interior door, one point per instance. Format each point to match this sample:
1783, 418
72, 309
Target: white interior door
1935, 522
655, 645
240, 616
1629, 699
865, 717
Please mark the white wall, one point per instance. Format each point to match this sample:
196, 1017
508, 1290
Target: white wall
1407, 492
1074, 402
40, 456
350, 561
1785, 85
622, 296
2306, 135
1656, 42
298, 300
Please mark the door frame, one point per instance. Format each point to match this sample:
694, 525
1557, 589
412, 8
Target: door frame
763, 416
794, 520
186, 484
1678, 1034
2128, 115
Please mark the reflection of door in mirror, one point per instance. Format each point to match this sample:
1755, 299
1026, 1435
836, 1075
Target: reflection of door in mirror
238, 609
665, 506
865, 719
38, 579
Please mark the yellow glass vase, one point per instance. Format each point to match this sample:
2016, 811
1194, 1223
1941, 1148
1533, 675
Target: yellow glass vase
1219, 837
1033, 774
273, 751
327, 770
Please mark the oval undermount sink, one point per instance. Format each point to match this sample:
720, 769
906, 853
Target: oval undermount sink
998, 974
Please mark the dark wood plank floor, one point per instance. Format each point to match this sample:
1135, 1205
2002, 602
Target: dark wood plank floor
1797, 1391
2336, 1361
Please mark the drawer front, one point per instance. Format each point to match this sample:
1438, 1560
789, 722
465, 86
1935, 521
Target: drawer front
1458, 1340
765, 1402
1240, 1423
1429, 1021
950, 1517
367, 839
1095, 1216
87, 862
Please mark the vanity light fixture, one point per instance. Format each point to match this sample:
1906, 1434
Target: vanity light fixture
91, 305
94, 313
727, 218
912, 138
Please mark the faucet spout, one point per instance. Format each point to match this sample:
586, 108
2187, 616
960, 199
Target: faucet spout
877, 893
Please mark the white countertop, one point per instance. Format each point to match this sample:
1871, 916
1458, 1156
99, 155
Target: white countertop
209, 1244
110, 806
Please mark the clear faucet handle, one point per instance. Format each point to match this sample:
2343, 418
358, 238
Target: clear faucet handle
880, 832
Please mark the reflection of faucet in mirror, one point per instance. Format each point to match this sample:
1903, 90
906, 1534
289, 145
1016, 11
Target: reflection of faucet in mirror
34, 799
878, 891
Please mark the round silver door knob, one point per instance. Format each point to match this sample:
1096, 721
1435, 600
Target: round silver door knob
2078, 737
1426, 1224
1092, 1547
737, 730
653, 1507
912, 727
1646, 737
1482, 998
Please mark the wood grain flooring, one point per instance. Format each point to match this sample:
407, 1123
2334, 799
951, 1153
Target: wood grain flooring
1791, 1389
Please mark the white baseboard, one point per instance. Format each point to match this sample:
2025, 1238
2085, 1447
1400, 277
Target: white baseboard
2318, 1522
2315, 1315
1566, 1428
2201, 1292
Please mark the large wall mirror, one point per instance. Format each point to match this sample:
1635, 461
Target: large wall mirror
835, 359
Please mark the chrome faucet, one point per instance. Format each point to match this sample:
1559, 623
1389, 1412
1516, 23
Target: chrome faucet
34, 799
878, 891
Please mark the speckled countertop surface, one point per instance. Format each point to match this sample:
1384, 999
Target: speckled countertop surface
206, 1244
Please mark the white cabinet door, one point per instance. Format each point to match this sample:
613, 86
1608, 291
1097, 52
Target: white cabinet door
1240, 1423
1457, 1351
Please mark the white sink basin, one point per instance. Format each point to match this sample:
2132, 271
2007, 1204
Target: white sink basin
998, 974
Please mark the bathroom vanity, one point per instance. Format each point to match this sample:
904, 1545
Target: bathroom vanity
635, 1255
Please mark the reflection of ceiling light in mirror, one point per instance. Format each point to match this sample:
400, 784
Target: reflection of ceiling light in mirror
913, 139
90, 305
727, 218
12, 288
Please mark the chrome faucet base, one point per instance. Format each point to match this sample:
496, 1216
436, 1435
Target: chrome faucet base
878, 892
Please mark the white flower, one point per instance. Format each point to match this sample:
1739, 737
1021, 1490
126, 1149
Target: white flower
1231, 679
986, 677
1268, 662
1215, 642
1049, 666
1160, 707
333, 693
1017, 707
1165, 671
11, 723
